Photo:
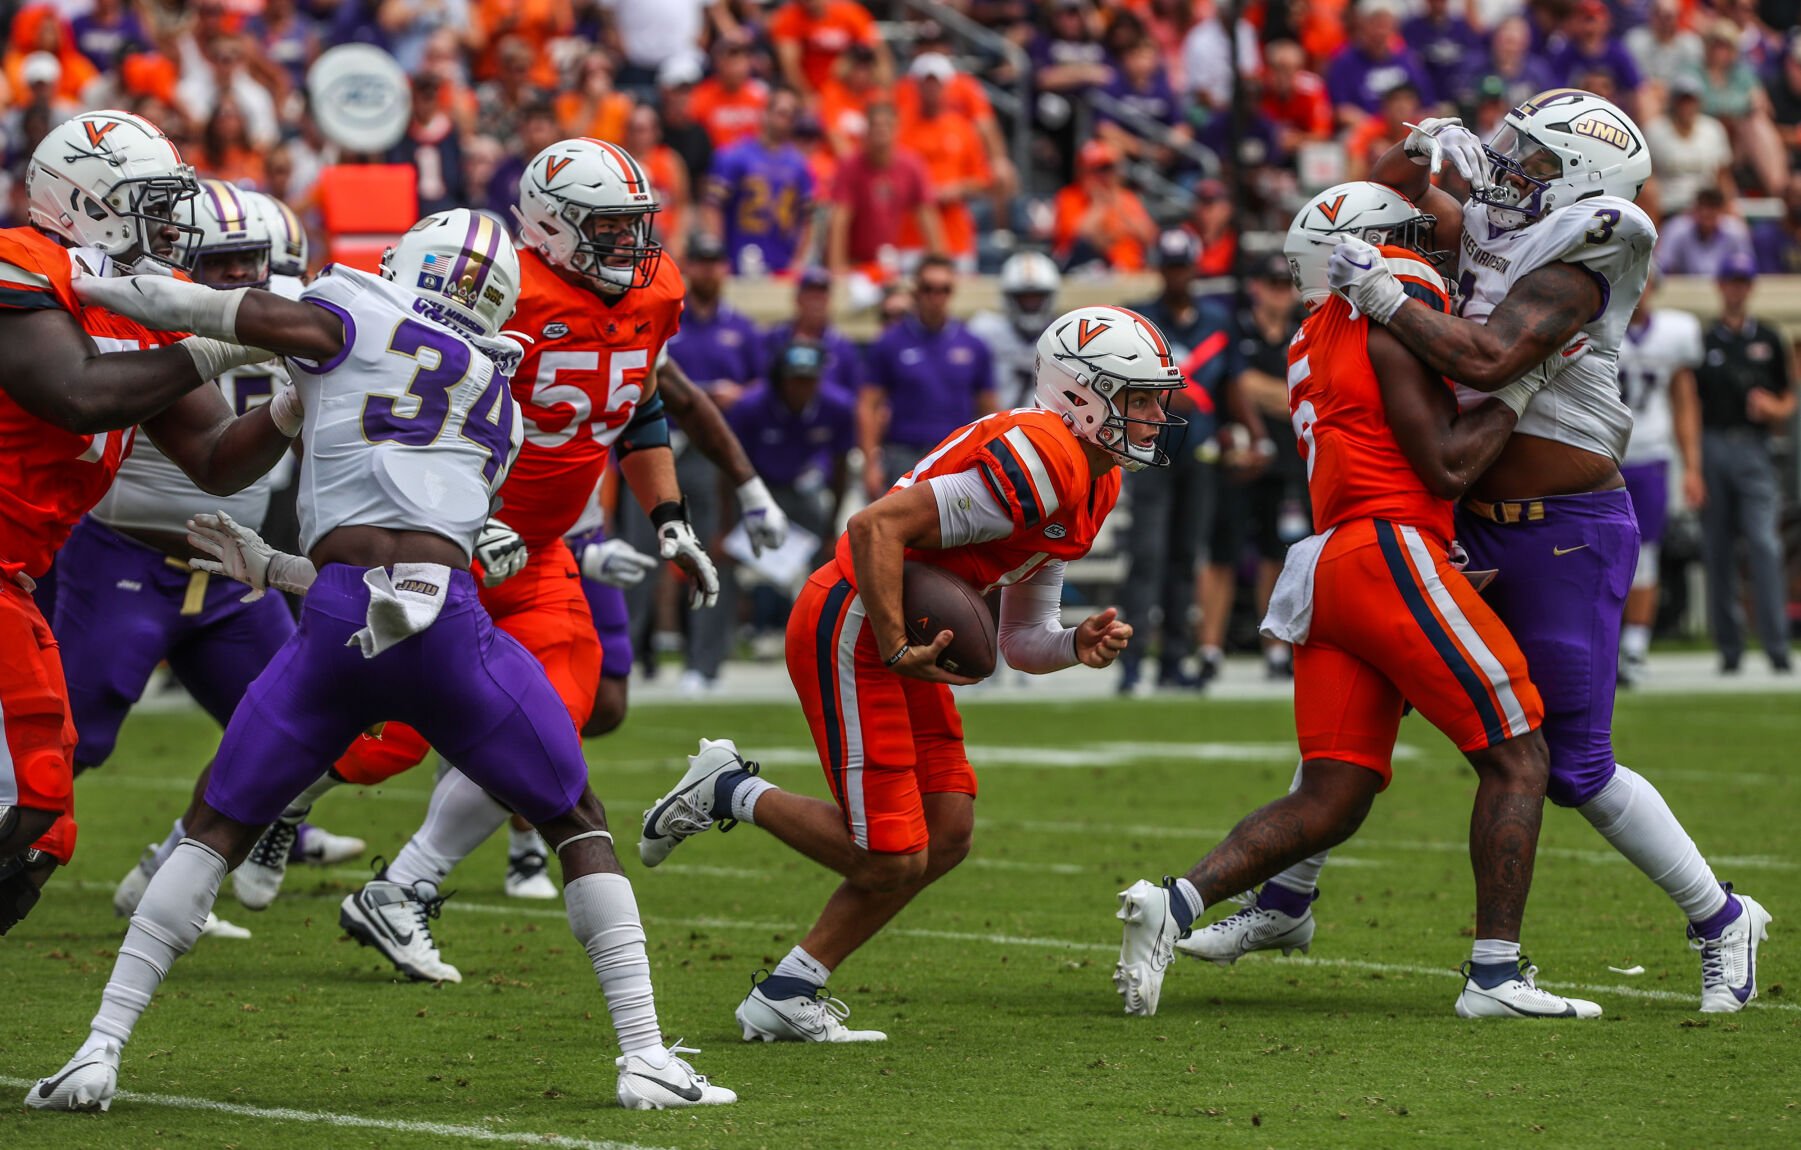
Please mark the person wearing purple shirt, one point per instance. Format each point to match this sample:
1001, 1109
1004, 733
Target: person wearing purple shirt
1698, 242
1777, 242
1510, 57
760, 194
928, 376
1373, 61
1446, 45
718, 346
1592, 47
812, 322
107, 33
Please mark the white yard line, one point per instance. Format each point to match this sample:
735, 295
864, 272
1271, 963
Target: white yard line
328, 1118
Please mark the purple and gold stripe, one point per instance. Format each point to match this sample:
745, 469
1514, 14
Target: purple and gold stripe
229, 207
480, 247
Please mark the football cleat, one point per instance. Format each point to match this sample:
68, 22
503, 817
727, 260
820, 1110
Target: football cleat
216, 927
87, 1082
319, 847
528, 876
1253, 928
396, 920
1519, 997
131, 888
257, 880
689, 808
674, 1084
803, 1018
1729, 962
1148, 946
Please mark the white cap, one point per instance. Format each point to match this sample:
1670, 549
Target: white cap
680, 70
932, 65
41, 68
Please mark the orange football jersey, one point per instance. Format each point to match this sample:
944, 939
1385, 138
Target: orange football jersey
49, 477
1355, 468
580, 382
1037, 472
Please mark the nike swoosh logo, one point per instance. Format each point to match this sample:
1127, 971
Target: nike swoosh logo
48, 1086
1355, 264
387, 928
688, 1093
1567, 550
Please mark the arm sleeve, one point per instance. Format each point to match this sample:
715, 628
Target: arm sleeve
967, 511
1032, 634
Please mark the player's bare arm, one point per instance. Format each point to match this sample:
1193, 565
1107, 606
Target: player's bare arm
1448, 450
879, 537
1538, 317
221, 451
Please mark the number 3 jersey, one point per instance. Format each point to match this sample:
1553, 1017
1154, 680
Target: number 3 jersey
1611, 239
408, 427
585, 369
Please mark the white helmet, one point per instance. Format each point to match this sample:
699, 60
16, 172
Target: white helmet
231, 224
462, 266
567, 186
1374, 213
1561, 146
288, 241
1087, 359
1030, 274
111, 180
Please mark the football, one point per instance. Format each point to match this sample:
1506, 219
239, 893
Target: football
935, 600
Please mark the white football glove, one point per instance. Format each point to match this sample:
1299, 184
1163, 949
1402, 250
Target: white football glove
286, 410
1432, 141
1357, 271
501, 552
676, 540
165, 304
764, 522
240, 553
616, 563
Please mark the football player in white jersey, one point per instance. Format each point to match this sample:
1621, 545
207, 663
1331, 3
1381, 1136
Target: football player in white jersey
1029, 283
1554, 256
1657, 380
409, 431
127, 597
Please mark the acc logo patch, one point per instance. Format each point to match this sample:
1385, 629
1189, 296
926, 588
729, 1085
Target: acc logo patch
1055, 531
555, 330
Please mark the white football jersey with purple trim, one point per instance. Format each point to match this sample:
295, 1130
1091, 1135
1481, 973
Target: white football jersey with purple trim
1612, 238
1650, 357
408, 427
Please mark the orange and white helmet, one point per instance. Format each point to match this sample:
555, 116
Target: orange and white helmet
1087, 360
570, 185
462, 266
1372, 212
111, 180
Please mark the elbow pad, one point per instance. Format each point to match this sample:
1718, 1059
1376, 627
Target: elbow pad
649, 428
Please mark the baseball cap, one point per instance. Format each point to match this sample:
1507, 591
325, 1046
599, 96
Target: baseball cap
932, 66
41, 68
1737, 266
1178, 247
706, 246
1273, 267
814, 278
1686, 84
680, 71
803, 358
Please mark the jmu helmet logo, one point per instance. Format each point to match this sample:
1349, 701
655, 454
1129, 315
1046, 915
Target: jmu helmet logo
1605, 130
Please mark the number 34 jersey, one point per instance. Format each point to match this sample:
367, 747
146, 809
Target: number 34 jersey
1611, 239
587, 366
408, 427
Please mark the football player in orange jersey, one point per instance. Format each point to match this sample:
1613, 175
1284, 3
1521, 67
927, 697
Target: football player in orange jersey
1380, 616
1003, 502
111, 185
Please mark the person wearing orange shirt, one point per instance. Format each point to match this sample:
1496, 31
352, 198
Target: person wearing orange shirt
730, 102
810, 35
1099, 219
965, 97
1375, 135
845, 100
595, 109
537, 22
954, 159
668, 175
38, 28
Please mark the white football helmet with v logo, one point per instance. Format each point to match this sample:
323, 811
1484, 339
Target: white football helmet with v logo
111, 180
1088, 359
573, 197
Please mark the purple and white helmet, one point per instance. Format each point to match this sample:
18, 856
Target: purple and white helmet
462, 265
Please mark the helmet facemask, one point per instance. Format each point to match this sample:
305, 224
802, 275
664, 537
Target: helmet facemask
595, 257
1521, 171
155, 205
1115, 433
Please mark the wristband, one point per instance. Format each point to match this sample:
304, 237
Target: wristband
899, 655
213, 358
669, 511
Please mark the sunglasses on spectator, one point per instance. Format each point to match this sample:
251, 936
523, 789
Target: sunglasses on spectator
934, 289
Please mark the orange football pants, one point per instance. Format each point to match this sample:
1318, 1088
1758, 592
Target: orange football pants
37, 754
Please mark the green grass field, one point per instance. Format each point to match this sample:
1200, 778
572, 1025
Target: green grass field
994, 988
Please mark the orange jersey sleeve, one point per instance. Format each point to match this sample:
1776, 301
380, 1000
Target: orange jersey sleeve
1355, 467
578, 386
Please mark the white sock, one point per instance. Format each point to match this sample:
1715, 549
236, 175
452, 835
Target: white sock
797, 963
1493, 951
165, 925
1302, 877
525, 842
303, 802
459, 818
1635, 640
1632, 816
603, 914
177, 832
744, 799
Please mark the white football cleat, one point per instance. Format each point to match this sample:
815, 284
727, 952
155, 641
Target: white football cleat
131, 888
1729, 962
396, 920
798, 1019
87, 1082
675, 1084
688, 809
1148, 946
317, 846
1253, 928
1519, 997
528, 876
257, 880
216, 927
